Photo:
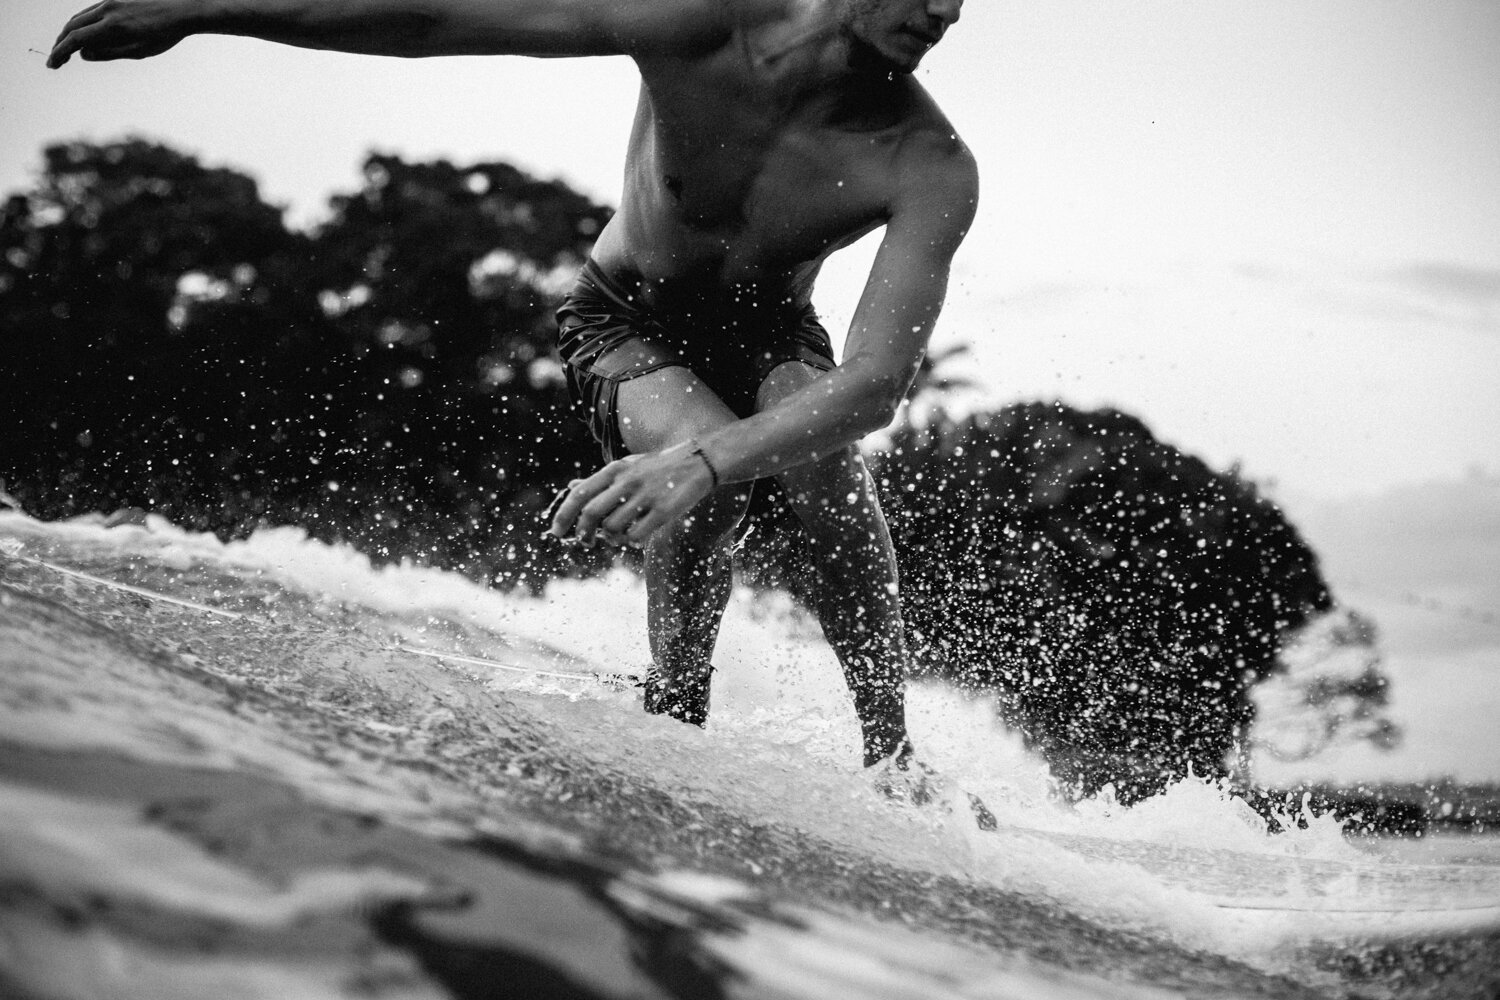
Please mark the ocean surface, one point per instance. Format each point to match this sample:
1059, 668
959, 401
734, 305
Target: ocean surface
267, 769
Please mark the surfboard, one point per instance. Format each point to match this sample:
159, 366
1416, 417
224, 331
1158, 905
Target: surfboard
620, 681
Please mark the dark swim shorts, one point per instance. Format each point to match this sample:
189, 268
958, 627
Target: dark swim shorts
606, 335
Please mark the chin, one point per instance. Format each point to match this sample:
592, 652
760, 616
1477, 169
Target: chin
905, 67
867, 57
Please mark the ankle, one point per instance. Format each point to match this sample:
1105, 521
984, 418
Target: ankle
683, 696
896, 750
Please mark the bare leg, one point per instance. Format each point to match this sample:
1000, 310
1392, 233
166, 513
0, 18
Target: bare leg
857, 602
687, 563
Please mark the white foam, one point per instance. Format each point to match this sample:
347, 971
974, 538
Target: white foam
782, 744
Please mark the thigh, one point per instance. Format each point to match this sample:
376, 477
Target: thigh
666, 407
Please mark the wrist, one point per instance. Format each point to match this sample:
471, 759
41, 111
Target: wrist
700, 453
205, 17
225, 17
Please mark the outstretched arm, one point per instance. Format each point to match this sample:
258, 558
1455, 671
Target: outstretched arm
136, 29
634, 497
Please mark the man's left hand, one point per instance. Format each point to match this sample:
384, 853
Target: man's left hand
629, 499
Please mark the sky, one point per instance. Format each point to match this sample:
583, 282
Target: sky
1270, 229
1423, 563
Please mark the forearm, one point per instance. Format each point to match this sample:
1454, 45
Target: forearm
887, 339
379, 27
375, 27
817, 420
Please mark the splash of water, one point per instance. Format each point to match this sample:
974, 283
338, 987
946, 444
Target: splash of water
782, 742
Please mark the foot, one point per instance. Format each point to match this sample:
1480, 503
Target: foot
684, 696
901, 777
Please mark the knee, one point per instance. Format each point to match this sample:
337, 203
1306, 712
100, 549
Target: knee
716, 516
835, 496
827, 483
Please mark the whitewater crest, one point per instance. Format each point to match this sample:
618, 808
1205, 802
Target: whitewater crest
437, 705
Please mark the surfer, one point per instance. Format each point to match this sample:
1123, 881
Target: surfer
768, 134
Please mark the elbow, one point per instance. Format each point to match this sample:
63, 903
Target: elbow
879, 407
873, 394
886, 414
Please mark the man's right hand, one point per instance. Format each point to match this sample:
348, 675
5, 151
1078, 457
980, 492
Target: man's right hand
121, 29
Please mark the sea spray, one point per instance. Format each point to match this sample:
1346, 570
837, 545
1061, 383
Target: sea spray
781, 748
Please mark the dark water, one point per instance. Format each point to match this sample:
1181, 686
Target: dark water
285, 804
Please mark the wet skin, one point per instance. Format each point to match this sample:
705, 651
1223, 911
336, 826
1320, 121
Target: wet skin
768, 134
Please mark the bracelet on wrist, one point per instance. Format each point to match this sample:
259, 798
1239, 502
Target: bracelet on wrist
713, 473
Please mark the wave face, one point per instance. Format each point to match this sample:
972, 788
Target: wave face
303, 775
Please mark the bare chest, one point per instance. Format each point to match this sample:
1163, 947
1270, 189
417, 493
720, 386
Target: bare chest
734, 174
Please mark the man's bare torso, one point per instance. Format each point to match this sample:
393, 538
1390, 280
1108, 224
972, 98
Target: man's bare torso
750, 164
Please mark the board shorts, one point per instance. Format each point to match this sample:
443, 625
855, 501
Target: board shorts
606, 335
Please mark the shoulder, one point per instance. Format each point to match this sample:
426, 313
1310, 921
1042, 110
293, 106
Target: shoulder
929, 157
936, 179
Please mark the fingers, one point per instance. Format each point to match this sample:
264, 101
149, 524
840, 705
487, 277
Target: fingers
617, 522
614, 509
644, 527
628, 500
608, 506
614, 501
557, 502
116, 30
68, 44
570, 502
88, 15
72, 37
578, 510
